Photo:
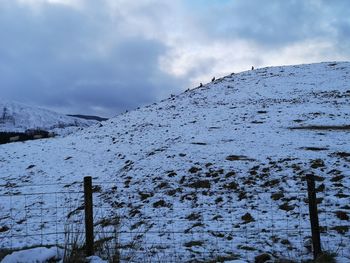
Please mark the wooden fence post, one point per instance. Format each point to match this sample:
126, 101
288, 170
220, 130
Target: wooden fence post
315, 228
89, 222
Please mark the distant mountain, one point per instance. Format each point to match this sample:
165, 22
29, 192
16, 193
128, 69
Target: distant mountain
18, 117
215, 173
88, 117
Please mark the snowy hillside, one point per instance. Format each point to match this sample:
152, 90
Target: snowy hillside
215, 172
16, 117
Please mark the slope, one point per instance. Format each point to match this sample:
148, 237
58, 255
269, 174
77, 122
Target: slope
17, 117
215, 172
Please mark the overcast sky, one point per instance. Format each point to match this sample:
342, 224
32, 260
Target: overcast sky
106, 56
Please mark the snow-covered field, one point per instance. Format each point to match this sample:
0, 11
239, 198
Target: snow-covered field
215, 173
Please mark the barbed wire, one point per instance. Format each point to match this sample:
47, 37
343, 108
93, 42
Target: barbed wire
36, 212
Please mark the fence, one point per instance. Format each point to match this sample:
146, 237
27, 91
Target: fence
173, 225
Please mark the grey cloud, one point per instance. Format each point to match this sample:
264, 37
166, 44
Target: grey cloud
87, 60
53, 58
275, 23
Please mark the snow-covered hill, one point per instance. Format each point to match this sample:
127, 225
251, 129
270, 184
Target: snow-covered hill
17, 117
215, 172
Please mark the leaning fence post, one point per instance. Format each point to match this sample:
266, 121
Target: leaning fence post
89, 226
315, 228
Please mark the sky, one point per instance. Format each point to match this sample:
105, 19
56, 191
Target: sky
103, 57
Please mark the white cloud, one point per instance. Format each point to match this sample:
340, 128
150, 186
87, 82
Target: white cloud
308, 51
37, 4
218, 58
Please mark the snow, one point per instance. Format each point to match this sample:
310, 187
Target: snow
232, 135
17, 117
342, 259
34, 255
43, 255
95, 259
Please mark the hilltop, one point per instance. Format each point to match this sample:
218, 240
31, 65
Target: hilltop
217, 171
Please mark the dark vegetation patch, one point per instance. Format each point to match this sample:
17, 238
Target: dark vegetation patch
298, 120
193, 216
341, 154
182, 180
189, 197
128, 166
323, 127
342, 215
171, 192
219, 200
7, 137
171, 173
231, 186
262, 258
247, 218
286, 207
225, 258
337, 178
194, 169
215, 173
257, 122
277, 196
134, 212
88, 117
230, 174
198, 224
217, 217
200, 184
325, 257
315, 149
248, 248
156, 151
317, 163
271, 183
199, 143
160, 203
242, 195
30, 166
253, 172
217, 234
285, 242
96, 189
4, 229
163, 185
341, 195
194, 243
341, 229
347, 207
144, 196
316, 177
4, 252
318, 200
320, 188
238, 158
